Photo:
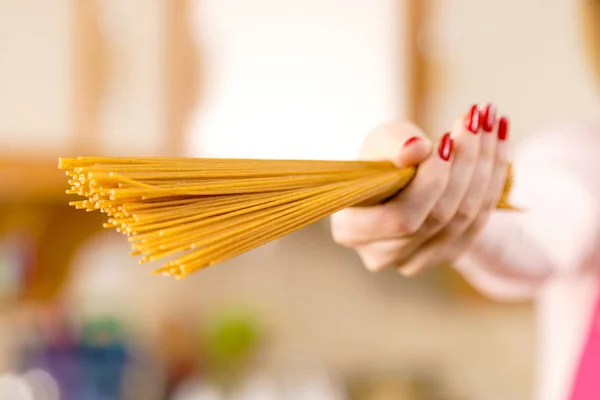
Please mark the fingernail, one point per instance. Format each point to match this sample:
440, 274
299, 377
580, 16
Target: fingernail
445, 147
503, 128
488, 117
411, 141
473, 120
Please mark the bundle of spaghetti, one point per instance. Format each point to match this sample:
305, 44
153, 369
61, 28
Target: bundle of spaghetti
200, 212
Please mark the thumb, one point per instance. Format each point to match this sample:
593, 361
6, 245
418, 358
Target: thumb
402, 143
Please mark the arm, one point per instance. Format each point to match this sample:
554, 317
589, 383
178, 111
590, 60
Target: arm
447, 213
557, 178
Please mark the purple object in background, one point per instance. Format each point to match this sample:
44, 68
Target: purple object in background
64, 365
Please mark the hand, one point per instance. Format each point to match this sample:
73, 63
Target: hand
438, 216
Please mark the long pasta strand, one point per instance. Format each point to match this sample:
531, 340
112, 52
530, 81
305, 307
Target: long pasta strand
206, 211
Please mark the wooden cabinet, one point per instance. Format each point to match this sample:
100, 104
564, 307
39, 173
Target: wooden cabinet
82, 77
87, 77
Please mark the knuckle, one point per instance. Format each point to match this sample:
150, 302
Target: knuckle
407, 227
374, 262
343, 240
502, 159
467, 230
399, 223
340, 233
470, 157
487, 152
455, 229
379, 256
467, 211
480, 222
440, 215
483, 172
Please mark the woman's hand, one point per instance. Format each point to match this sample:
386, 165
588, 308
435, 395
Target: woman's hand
436, 218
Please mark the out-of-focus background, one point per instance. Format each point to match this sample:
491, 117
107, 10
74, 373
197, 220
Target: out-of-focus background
298, 318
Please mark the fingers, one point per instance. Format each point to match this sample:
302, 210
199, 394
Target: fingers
478, 188
439, 215
466, 134
399, 142
404, 214
502, 157
431, 200
480, 200
466, 138
379, 255
493, 191
443, 247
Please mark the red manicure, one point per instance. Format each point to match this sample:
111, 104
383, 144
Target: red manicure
488, 117
445, 147
473, 120
503, 128
411, 141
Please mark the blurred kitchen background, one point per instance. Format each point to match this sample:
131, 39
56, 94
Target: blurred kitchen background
299, 318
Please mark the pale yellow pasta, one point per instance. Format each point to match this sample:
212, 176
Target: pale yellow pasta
206, 211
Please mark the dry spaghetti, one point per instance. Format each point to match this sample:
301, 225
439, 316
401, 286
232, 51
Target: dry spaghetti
201, 212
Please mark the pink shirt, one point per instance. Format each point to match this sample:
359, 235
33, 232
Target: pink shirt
551, 251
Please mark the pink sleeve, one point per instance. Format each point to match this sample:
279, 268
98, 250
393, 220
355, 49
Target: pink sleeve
557, 183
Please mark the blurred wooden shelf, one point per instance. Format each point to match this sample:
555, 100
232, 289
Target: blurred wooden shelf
32, 179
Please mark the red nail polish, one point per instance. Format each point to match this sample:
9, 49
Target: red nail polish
488, 117
503, 128
473, 120
411, 141
445, 147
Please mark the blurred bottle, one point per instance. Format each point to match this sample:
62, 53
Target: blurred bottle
179, 353
105, 358
57, 351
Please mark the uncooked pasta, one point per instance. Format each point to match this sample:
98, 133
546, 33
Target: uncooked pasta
193, 213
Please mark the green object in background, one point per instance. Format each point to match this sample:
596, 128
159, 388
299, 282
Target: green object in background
102, 331
232, 337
